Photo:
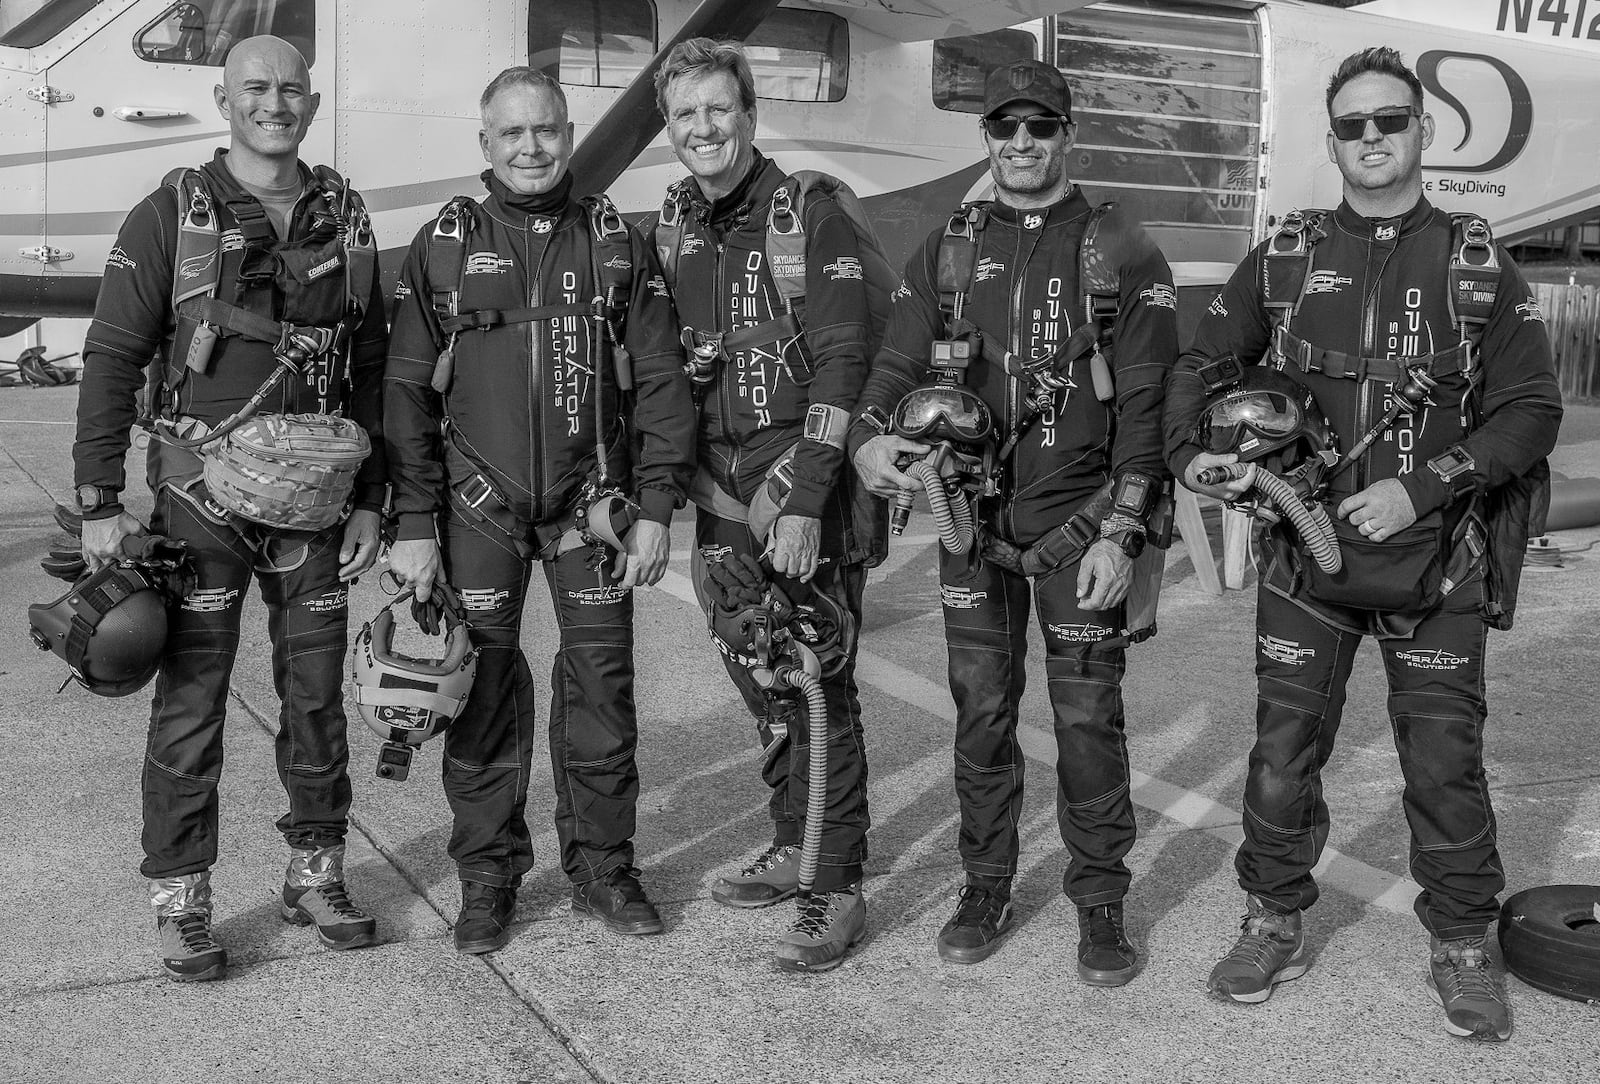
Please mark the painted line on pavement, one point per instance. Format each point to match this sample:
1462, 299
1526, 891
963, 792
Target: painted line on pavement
1188, 808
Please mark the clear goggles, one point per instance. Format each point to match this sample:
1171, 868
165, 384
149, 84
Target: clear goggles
1269, 414
943, 412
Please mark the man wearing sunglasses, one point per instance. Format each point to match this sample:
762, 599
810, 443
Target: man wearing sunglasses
1055, 445
1414, 511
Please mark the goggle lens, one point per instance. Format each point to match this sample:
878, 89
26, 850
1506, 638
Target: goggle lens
1266, 413
1352, 126
944, 412
1040, 126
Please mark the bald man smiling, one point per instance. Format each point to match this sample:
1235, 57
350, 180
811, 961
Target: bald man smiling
277, 271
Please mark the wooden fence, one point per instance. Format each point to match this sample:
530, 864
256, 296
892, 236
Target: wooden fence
1573, 315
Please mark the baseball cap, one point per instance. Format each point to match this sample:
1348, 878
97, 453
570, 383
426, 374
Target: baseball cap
1027, 81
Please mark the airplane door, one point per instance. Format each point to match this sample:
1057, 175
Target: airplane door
143, 104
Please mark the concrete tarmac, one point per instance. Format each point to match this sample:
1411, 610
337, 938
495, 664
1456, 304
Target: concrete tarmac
82, 997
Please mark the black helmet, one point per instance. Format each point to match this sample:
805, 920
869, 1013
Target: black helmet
1265, 414
110, 628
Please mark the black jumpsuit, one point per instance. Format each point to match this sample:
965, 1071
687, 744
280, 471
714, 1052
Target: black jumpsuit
1379, 289
521, 426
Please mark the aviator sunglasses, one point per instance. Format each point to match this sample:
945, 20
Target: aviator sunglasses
1040, 126
1352, 126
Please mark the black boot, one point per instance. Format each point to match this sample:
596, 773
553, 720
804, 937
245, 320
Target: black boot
617, 899
1105, 957
983, 915
484, 924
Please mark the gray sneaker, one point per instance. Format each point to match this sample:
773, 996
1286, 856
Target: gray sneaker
773, 877
1471, 989
1269, 951
314, 894
189, 950
827, 928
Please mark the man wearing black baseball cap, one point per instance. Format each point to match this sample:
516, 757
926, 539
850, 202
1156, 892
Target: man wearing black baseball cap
1077, 402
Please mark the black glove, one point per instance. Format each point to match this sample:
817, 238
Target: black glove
66, 565
428, 614
740, 592
69, 520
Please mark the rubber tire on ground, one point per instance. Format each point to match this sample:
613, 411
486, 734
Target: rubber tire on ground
1551, 940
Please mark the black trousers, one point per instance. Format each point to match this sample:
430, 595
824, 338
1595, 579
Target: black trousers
985, 624
1437, 712
488, 751
307, 618
845, 816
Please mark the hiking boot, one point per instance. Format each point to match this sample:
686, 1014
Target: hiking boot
827, 927
1267, 952
314, 895
189, 950
618, 900
1105, 956
484, 924
983, 915
772, 877
1470, 988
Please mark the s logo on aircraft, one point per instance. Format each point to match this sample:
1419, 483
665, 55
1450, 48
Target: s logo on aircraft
1518, 125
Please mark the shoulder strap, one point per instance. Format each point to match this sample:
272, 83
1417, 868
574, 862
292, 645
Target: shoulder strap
355, 237
667, 237
786, 241
447, 254
1099, 261
612, 261
957, 262
197, 263
1474, 276
1286, 263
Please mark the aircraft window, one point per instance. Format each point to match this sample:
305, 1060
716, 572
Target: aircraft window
28, 24
960, 65
800, 56
201, 32
590, 43
1168, 103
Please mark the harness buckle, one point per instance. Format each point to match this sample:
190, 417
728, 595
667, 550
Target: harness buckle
475, 491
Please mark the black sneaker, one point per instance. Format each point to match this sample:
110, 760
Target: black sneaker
1105, 956
617, 899
983, 915
189, 950
1470, 988
340, 923
484, 924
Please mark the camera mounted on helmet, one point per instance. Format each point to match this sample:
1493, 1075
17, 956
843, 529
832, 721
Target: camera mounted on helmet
404, 699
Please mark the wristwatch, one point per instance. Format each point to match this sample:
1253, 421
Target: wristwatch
94, 498
1125, 532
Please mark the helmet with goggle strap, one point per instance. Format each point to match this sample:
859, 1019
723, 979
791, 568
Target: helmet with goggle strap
1266, 413
408, 700
110, 628
943, 411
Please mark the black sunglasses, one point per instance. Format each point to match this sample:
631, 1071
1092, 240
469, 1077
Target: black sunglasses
1353, 126
1040, 125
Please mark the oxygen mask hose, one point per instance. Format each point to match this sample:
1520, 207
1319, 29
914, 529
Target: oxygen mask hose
952, 514
1308, 517
810, 687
